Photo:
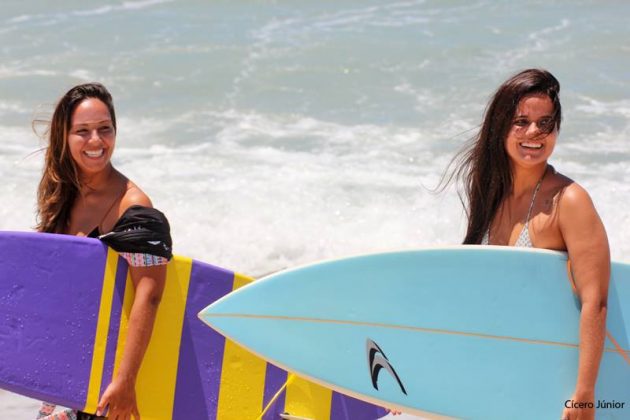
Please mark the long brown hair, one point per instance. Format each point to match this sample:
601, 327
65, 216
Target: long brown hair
60, 182
484, 166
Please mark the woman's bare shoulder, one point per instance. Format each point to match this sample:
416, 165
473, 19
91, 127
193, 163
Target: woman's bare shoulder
134, 196
566, 191
575, 196
575, 206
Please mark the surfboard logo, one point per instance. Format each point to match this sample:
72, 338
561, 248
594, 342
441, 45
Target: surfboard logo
378, 361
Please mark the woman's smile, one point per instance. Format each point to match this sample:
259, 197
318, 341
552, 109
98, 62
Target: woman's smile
95, 154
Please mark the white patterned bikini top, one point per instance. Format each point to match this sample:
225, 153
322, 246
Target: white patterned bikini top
523, 239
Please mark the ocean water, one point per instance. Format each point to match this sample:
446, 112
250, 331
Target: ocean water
277, 133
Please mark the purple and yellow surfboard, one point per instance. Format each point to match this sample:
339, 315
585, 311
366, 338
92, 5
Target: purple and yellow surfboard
64, 306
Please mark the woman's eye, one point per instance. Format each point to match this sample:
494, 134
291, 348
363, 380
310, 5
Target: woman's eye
521, 123
105, 129
81, 131
544, 123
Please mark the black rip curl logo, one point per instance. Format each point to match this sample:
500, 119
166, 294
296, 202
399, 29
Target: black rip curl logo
377, 361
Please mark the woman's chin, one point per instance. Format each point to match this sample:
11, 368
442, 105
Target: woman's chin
531, 159
93, 167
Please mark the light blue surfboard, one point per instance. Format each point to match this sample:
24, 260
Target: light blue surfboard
467, 332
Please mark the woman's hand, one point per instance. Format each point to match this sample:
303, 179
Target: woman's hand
120, 399
580, 407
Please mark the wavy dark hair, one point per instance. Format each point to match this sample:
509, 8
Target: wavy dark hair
60, 182
483, 167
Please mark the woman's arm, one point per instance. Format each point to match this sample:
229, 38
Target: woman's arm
587, 244
120, 395
148, 283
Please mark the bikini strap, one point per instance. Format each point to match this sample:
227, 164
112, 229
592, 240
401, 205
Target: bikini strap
531, 205
111, 207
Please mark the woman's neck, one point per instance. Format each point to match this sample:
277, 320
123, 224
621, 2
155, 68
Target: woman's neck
98, 182
524, 180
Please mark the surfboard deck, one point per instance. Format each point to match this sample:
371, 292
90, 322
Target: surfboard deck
468, 331
64, 307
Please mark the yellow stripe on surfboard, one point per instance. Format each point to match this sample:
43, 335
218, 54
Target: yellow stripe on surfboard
242, 384
240, 281
155, 386
242, 378
307, 399
102, 329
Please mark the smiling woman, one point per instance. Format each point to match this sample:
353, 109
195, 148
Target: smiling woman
82, 194
514, 197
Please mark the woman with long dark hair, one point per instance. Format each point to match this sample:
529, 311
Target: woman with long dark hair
81, 193
514, 197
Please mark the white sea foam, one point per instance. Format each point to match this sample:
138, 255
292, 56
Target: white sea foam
131, 5
274, 37
598, 107
12, 107
18, 70
48, 18
531, 48
20, 19
82, 74
135, 5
